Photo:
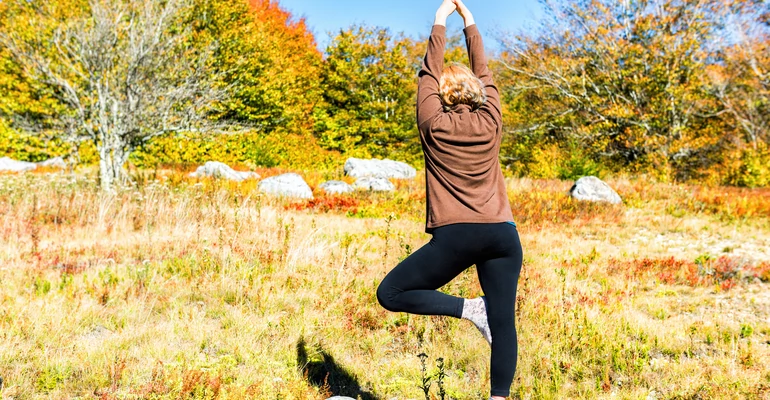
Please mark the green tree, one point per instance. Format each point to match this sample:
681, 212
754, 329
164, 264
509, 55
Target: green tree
369, 86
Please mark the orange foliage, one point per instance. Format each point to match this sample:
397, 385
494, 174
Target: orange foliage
724, 271
293, 33
294, 56
328, 203
271, 61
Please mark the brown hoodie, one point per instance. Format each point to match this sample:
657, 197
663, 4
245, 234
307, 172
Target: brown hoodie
462, 171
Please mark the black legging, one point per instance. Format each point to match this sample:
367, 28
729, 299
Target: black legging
496, 251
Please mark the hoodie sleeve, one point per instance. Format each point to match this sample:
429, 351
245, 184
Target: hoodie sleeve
480, 68
428, 100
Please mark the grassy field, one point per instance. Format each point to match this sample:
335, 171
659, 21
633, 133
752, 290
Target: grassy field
178, 288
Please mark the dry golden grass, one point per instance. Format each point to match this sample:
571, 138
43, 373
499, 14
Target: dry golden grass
203, 289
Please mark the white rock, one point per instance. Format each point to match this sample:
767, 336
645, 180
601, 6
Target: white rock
591, 188
358, 168
287, 185
217, 169
56, 162
336, 187
374, 184
9, 164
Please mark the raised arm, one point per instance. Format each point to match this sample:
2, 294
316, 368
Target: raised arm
428, 99
479, 64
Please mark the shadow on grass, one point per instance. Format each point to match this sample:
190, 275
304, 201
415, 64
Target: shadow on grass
324, 372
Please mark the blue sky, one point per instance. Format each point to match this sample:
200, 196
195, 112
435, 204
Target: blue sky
413, 17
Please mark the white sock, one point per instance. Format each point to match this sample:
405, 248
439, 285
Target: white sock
475, 310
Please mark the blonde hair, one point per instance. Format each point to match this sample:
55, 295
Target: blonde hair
458, 85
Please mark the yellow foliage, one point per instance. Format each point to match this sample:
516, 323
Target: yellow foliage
28, 147
276, 149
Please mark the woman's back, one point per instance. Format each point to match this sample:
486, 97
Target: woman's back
461, 144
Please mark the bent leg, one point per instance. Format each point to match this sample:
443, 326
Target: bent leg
411, 286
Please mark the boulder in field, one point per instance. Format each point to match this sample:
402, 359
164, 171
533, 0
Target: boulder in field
11, 165
359, 168
286, 185
374, 184
591, 188
56, 162
217, 169
336, 187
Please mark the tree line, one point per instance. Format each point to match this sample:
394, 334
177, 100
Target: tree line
674, 89
678, 89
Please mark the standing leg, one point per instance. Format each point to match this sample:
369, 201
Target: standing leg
499, 280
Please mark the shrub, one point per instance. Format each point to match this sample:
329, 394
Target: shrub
753, 169
704, 271
577, 164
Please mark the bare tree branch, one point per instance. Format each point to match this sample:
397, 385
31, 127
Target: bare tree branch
125, 74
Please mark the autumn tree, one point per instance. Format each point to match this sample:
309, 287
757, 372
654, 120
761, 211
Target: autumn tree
123, 70
622, 82
268, 59
742, 77
740, 80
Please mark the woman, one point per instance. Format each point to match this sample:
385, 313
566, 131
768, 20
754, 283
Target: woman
468, 213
